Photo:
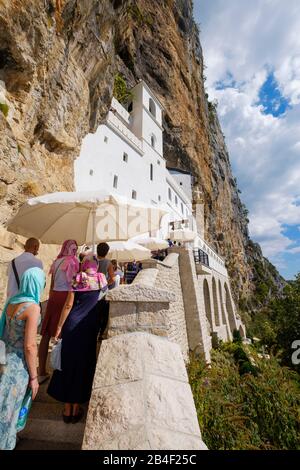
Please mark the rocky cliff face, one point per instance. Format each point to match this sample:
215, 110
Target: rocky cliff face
58, 59
56, 73
159, 42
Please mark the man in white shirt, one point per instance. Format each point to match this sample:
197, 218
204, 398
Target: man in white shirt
22, 262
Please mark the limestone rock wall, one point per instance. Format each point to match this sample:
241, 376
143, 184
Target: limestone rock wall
56, 80
56, 72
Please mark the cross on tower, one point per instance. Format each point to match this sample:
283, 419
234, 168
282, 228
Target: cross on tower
197, 195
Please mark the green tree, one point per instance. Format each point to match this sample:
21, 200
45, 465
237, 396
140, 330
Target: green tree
285, 314
121, 92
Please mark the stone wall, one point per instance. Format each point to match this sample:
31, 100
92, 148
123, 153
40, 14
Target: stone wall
139, 307
141, 398
198, 334
168, 278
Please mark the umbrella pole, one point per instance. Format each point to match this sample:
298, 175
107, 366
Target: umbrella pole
94, 231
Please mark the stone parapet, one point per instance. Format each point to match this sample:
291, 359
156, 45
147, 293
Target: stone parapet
199, 339
168, 278
138, 307
141, 397
139, 293
146, 277
152, 303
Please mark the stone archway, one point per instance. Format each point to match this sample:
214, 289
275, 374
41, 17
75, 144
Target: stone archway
215, 299
230, 310
242, 331
222, 305
207, 303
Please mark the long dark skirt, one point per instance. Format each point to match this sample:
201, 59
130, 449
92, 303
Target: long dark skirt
73, 383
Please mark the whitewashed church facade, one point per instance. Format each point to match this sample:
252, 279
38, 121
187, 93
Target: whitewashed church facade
125, 156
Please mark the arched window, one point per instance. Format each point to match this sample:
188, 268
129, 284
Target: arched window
216, 306
115, 183
153, 140
207, 304
152, 107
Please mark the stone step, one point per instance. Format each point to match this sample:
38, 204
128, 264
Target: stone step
34, 444
42, 395
53, 430
45, 424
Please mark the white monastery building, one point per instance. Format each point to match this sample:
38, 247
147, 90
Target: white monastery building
125, 156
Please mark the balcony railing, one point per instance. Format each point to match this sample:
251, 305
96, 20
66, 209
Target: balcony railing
120, 127
201, 257
116, 105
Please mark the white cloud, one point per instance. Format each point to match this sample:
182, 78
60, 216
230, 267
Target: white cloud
242, 43
294, 250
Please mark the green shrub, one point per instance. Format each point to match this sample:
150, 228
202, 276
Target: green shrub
236, 335
244, 412
121, 92
4, 108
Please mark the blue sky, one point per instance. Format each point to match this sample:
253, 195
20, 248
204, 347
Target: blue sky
252, 57
271, 98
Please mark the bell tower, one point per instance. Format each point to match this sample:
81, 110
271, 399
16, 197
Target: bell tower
146, 117
198, 209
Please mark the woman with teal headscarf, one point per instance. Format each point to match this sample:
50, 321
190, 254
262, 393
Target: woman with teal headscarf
18, 330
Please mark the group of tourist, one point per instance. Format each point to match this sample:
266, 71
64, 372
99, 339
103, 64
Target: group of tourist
76, 313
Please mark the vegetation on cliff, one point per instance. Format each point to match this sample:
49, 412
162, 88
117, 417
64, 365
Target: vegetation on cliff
277, 325
246, 402
250, 398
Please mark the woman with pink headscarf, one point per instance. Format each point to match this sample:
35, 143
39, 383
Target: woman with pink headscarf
78, 328
63, 270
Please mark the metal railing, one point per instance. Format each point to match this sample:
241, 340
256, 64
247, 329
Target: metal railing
200, 257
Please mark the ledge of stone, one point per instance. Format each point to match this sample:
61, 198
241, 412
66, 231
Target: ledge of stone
146, 277
139, 293
168, 262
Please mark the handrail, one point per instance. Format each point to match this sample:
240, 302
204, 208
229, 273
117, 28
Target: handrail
200, 257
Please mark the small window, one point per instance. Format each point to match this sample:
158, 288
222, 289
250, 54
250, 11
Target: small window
125, 157
170, 194
176, 200
91, 172
181, 207
153, 141
133, 194
130, 107
151, 172
158, 162
159, 198
115, 184
105, 139
152, 107
180, 183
